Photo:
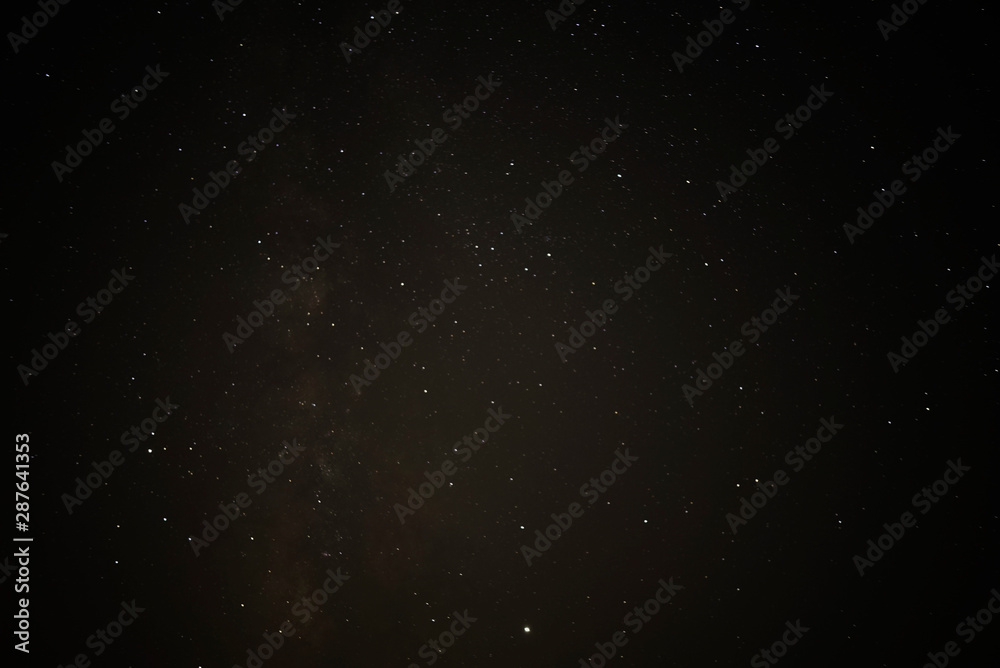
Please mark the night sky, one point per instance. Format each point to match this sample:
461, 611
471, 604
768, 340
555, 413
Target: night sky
502, 337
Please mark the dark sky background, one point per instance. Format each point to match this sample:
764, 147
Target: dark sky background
494, 347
